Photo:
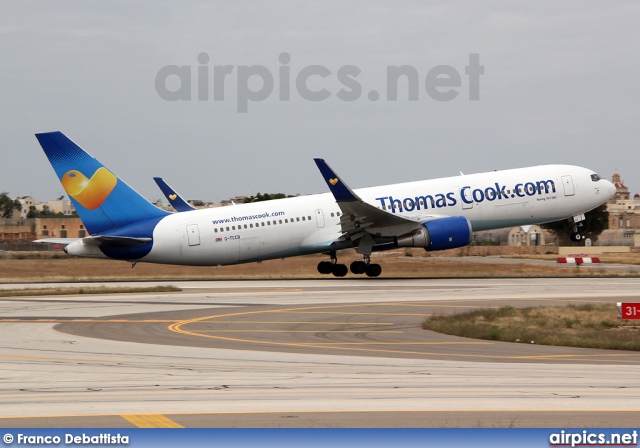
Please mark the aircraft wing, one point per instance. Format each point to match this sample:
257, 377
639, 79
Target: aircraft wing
358, 217
176, 201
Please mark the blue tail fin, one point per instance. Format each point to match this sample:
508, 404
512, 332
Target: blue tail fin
102, 200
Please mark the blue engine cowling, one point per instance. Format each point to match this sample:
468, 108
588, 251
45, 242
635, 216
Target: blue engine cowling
440, 234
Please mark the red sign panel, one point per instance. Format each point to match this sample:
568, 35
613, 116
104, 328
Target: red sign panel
630, 310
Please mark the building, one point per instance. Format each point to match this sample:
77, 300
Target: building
619, 237
59, 227
622, 192
17, 230
26, 202
515, 236
624, 212
61, 205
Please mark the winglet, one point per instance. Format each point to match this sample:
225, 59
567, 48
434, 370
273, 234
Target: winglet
338, 188
176, 201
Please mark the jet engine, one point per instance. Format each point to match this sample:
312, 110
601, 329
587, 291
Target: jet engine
440, 234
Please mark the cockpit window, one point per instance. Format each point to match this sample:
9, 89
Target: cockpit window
595, 177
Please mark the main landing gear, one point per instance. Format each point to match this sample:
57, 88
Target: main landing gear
356, 267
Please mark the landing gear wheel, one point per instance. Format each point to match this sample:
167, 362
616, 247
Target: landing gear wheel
374, 270
358, 267
325, 267
575, 237
339, 270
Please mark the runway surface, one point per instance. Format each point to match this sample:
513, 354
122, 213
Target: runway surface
333, 352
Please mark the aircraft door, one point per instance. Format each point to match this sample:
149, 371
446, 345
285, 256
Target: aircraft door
465, 193
320, 218
567, 183
193, 235
249, 249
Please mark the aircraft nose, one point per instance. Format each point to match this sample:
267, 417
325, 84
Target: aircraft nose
611, 189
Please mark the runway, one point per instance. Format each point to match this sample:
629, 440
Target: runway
335, 352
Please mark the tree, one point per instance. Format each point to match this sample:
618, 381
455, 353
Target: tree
259, 197
44, 213
8, 205
595, 222
33, 212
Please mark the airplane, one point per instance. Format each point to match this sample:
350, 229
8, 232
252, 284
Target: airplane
436, 214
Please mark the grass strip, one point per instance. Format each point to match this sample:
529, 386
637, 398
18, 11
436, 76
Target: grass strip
586, 326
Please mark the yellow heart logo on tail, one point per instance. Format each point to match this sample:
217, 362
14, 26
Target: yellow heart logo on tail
333, 181
90, 193
173, 196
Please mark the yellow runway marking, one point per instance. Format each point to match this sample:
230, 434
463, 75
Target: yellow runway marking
292, 323
151, 421
179, 327
297, 331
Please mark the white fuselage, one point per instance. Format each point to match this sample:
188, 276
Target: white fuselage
310, 224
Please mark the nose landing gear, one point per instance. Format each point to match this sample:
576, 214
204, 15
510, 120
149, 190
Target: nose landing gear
576, 236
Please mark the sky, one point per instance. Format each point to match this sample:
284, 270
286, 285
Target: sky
558, 84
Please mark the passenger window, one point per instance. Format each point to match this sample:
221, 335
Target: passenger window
298, 219
245, 226
227, 229
215, 230
268, 223
251, 226
303, 218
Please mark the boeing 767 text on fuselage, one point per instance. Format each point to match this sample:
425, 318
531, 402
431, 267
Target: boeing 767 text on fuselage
432, 214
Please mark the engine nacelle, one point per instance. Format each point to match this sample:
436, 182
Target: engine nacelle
440, 234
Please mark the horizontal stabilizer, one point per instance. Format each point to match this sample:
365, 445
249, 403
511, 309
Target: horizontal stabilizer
115, 241
64, 241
